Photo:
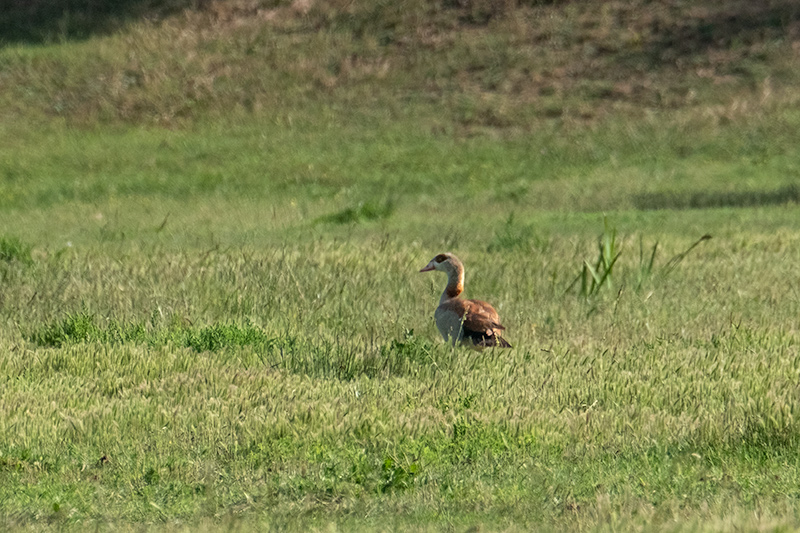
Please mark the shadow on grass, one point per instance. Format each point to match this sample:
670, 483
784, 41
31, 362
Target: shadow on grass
747, 21
43, 21
707, 199
721, 25
363, 212
717, 24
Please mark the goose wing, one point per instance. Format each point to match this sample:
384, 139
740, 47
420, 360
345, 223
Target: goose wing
481, 324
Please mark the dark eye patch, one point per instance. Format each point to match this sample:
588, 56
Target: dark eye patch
441, 258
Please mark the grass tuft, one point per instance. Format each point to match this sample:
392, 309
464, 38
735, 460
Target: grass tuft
221, 336
74, 328
409, 348
594, 277
12, 249
513, 236
85, 328
398, 476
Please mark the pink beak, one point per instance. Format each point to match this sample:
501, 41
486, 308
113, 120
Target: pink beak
428, 267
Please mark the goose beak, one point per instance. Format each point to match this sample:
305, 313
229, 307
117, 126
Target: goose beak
428, 267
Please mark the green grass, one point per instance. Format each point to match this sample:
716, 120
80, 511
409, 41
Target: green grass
274, 384
14, 250
211, 316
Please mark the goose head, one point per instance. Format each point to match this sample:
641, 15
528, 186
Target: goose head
447, 263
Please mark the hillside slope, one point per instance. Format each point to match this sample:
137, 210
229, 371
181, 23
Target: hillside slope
470, 63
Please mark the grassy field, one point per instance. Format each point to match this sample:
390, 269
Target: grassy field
212, 222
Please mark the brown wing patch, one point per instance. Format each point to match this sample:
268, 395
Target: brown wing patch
482, 325
484, 309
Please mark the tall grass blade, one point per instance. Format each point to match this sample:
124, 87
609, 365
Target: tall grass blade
675, 261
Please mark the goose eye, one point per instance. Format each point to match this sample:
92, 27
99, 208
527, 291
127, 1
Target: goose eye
441, 258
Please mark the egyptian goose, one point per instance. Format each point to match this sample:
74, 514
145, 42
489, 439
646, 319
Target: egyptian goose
471, 322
